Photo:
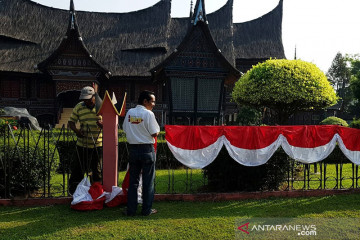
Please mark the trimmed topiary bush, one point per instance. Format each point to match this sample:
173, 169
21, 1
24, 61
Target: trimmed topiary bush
284, 86
334, 121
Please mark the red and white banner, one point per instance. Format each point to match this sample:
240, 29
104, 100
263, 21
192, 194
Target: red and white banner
198, 146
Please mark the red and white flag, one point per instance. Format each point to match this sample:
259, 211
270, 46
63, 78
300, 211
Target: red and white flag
198, 146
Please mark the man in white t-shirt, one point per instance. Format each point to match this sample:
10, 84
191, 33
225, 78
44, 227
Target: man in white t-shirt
141, 128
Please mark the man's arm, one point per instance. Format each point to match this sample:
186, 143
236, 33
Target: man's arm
76, 131
153, 125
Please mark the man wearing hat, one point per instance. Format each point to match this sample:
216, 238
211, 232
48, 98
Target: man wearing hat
88, 154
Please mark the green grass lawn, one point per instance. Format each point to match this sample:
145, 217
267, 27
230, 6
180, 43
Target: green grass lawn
175, 220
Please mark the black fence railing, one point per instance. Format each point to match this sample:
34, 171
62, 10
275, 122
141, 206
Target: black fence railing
323, 175
37, 164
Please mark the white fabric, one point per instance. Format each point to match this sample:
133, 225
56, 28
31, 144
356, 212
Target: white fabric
353, 156
199, 158
255, 157
118, 191
139, 124
309, 155
114, 192
82, 192
140, 190
22, 112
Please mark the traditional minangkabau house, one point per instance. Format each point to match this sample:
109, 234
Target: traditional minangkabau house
47, 55
196, 74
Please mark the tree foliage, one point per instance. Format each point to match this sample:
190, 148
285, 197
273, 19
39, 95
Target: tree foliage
355, 76
355, 88
339, 72
355, 123
285, 86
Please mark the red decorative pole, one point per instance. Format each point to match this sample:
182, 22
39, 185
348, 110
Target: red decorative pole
110, 115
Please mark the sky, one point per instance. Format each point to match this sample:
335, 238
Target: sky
319, 29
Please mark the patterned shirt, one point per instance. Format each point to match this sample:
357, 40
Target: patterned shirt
87, 118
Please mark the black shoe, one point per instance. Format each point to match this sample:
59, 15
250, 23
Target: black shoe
128, 214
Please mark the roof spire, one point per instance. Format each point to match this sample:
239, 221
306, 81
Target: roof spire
200, 12
72, 20
191, 8
72, 8
72, 12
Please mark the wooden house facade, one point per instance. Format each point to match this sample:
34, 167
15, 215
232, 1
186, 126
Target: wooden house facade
47, 55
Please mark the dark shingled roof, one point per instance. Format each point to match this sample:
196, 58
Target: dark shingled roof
261, 37
72, 37
127, 44
220, 24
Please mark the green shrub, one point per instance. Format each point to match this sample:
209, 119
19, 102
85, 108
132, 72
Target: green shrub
337, 156
26, 163
2, 123
334, 121
227, 175
355, 123
284, 86
66, 154
249, 116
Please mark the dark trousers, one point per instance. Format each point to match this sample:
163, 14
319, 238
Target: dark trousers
84, 161
142, 160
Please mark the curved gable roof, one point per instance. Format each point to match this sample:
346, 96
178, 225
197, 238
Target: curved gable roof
128, 44
107, 36
261, 37
220, 24
73, 37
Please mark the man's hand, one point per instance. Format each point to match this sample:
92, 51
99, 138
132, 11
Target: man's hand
95, 86
99, 123
78, 132
155, 135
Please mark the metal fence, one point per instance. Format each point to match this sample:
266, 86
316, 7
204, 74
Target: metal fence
323, 175
36, 164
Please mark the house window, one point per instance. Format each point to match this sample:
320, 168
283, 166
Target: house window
183, 90
10, 89
208, 98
